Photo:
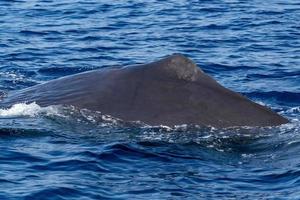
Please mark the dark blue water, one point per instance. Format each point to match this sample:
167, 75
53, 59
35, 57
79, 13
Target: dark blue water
252, 47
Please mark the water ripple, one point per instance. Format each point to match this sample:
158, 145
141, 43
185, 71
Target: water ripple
64, 153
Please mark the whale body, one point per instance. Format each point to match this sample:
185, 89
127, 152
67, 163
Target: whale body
170, 91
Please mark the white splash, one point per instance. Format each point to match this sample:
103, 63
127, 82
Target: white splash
261, 103
12, 75
293, 110
31, 110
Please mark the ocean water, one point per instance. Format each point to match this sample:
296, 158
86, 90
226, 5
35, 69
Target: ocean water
56, 152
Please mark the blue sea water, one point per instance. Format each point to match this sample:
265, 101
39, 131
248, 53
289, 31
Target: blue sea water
252, 47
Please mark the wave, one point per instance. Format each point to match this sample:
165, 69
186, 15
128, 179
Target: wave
31, 110
281, 96
276, 75
62, 71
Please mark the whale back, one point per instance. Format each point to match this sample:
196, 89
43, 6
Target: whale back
171, 91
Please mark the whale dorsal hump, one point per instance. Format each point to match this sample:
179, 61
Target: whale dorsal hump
175, 65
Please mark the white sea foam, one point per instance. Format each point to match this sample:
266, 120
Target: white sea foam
261, 103
12, 75
31, 110
293, 110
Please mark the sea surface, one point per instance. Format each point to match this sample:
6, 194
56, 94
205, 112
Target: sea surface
55, 152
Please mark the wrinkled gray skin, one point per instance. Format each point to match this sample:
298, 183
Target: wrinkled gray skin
171, 91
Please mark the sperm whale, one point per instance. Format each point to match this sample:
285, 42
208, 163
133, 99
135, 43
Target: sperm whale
170, 91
